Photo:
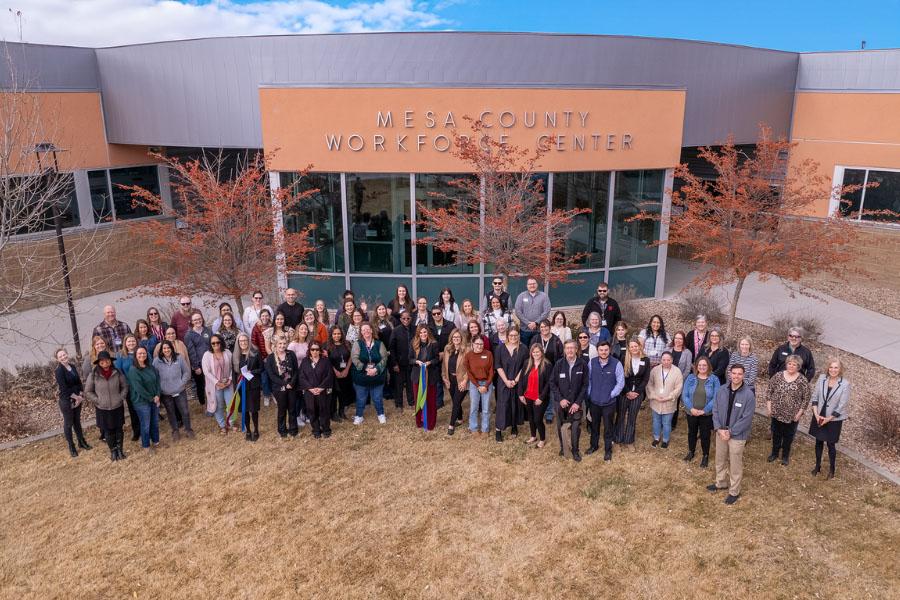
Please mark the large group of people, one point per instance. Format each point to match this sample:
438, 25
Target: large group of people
512, 354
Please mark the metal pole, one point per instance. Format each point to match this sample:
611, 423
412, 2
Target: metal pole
61, 249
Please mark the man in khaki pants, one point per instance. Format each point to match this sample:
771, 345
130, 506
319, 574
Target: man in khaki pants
732, 419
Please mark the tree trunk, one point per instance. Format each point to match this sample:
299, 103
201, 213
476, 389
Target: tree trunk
731, 312
240, 306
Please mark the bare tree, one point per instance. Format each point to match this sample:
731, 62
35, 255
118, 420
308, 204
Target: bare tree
33, 191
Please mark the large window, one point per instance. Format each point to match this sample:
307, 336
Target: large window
437, 191
111, 202
588, 190
636, 191
323, 210
862, 203
28, 188
378, 212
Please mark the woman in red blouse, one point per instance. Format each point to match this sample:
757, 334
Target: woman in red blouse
534, 393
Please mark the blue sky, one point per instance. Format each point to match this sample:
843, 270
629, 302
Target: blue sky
785, 25
799, 25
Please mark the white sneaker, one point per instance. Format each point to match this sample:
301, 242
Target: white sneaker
266, 401
357, 420
382, 419
300, 422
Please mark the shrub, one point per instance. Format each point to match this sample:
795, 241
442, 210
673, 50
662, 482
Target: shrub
811, 325
31, 385
699, 302
884, 422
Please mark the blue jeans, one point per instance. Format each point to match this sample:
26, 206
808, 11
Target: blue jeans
485, 399
266, 384
148, 413
548, 414
526, 335
663, 422
220, 407
362, 394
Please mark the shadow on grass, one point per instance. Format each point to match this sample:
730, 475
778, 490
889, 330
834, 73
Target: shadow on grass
614, 489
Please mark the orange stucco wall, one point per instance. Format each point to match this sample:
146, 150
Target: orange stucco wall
70, 120
849, 129
604, 129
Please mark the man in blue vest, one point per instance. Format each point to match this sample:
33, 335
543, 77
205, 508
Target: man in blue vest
606, 378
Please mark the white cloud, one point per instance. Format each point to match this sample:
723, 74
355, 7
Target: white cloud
114, 22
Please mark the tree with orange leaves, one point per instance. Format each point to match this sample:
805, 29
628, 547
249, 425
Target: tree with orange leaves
226, 237
753, 218
500, 215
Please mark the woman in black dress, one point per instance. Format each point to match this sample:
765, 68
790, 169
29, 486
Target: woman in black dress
245, 355
282, 369
316, 381
71, 397
339, 356
830, 397
509, 361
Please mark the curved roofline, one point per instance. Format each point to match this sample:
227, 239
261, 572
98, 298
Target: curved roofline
445, 32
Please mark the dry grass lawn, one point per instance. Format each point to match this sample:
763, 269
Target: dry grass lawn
392, 512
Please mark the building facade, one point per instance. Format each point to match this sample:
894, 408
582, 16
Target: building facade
372, 116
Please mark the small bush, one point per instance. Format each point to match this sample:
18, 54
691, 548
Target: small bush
811, 325
884, 422
699, 302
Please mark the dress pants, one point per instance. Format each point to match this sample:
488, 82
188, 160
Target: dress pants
730, 464
783, 437
574, 419
287, 410
606, 415
318, 411
626, 420
71, 421
174, 405
456, 398
535, 413
402, 382
703, 426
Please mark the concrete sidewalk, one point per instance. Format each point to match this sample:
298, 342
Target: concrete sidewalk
857, 330
40, 331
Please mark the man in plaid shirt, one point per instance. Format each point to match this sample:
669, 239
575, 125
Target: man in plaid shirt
112, 330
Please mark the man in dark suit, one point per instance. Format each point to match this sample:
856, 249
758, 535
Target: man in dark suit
568, 389
398, 348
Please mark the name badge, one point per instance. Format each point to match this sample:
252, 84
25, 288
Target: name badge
562, 375
343, 364
738, 404
484, 357
525, 299
603, 322
653, 353
662, 390
641, 363
784, 353
579, 372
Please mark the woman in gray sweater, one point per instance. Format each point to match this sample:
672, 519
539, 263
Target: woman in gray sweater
174, 374
829, 400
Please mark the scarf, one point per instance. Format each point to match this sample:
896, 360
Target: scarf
106, 373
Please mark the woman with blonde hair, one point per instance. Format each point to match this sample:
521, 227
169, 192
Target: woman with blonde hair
619, 344
637, 372
830, 397
744, 356
534, 393
124, 361
466, 314
454, 375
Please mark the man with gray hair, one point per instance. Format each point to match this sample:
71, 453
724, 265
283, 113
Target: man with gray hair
794, 345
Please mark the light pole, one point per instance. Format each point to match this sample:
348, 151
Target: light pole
50, 148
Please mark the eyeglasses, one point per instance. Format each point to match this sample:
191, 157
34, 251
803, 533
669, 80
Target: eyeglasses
436, 314
257, 297
793, 335
315, 350
582, 337
185, 303
215, 343
602, 291
153, 314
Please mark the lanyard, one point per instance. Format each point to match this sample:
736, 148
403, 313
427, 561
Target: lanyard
665, 376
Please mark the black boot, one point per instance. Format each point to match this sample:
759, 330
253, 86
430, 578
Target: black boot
82, 443
73, 452
114, 455
704, 462
121, 451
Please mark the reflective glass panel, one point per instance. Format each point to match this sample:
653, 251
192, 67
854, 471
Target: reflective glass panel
380, 234
636, 191
587, 190
322, 209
